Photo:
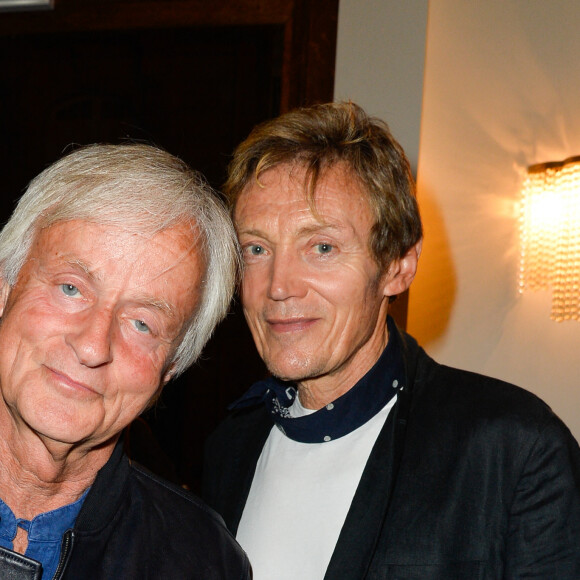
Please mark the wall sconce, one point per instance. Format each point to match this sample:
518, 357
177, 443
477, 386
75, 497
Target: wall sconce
550, 235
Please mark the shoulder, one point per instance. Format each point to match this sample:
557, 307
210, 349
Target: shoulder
457, 390
165, 499
487, 459
134, 524
230, 456
447, 404
492, 415
180, 516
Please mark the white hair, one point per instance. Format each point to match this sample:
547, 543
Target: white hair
145, 190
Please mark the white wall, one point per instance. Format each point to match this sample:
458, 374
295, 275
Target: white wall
379, 63
501, 91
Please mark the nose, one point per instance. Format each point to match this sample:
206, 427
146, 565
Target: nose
91, 338
287, 278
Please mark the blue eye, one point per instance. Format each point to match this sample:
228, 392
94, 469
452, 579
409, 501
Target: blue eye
256, 250
324, 248
69, 289
141, 326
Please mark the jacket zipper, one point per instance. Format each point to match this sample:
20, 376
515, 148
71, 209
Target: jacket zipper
65, 550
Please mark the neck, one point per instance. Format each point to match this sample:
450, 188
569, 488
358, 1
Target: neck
38, 475
317, 392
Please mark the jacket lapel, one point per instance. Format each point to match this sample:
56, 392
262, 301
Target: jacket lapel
249, 443
360, 533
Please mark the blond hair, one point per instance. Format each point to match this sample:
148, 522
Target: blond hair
321, 136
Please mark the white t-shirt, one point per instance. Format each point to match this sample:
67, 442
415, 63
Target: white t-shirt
300, 497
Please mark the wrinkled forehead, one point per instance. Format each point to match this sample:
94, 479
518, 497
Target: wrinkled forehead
160, 250
279, 207
331, 184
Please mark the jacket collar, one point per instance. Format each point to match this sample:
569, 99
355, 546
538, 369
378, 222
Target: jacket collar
105, 495
353, 552
343, 415
243, 465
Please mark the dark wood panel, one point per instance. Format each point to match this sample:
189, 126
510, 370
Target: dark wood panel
309, 46
195, 93
123, 14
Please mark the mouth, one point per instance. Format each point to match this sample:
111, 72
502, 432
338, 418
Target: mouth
64, 380
286, 325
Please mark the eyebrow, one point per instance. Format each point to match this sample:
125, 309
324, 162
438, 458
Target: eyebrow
317, 228
79, 264
156, 303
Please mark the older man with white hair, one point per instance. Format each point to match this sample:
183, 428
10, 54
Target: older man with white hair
115, 267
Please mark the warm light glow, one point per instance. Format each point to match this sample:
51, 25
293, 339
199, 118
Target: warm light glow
550, 235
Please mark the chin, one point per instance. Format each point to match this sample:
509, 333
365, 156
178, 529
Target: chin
59, 428
61, 435
294, 369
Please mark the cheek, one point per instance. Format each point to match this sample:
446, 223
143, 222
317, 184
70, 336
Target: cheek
141, 369
253, 297
341, 289
351, 296
26, 328
33, 320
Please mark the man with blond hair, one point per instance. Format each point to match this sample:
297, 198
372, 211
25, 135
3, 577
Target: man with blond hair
361, 457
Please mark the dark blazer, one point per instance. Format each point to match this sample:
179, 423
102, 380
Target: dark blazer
470, 478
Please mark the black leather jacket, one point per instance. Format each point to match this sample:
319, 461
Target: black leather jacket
135, 525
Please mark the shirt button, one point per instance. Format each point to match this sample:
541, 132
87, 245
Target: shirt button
395, 384
330, 406
327, 437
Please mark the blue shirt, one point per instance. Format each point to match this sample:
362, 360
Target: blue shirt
45, 533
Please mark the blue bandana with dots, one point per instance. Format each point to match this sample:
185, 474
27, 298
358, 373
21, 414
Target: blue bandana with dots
345, 414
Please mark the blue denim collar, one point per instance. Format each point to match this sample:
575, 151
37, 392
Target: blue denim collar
45, 532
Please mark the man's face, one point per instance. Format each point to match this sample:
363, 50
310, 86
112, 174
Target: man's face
313, 296
88, 329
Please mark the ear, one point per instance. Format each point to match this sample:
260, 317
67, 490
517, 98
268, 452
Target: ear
167, 376
402, 271
4, 293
